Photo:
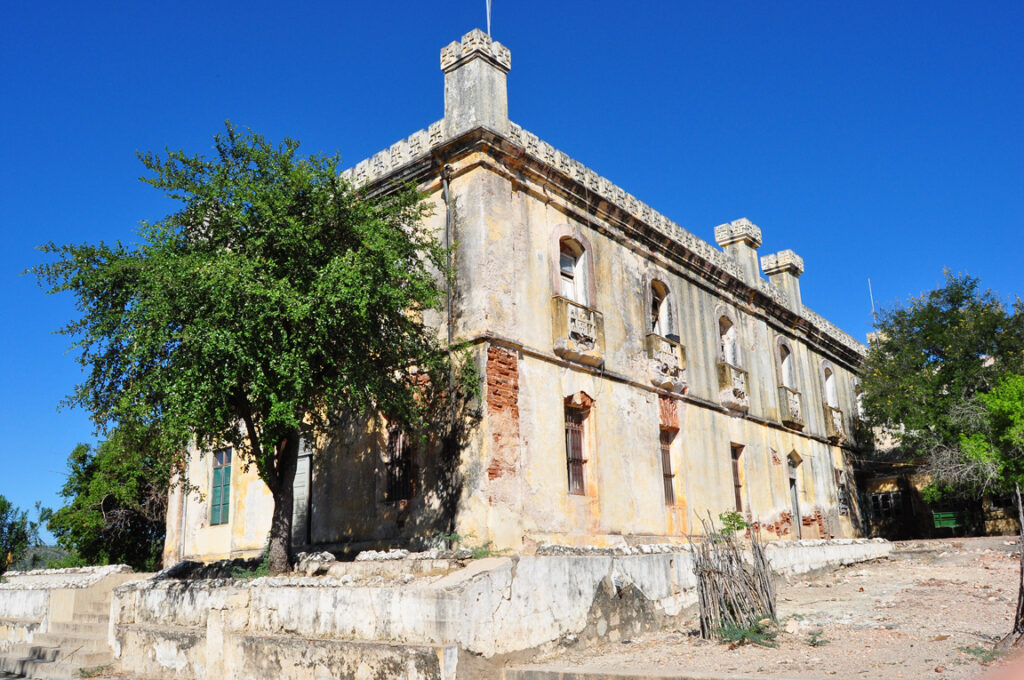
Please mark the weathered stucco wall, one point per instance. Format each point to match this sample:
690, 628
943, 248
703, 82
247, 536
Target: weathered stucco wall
524, 497
423, 624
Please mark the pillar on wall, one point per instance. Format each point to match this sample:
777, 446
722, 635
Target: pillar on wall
740, 240
475, 93
783, 269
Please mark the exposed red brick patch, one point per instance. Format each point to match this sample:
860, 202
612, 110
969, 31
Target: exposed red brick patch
816, 520
503, 410
780, 527
668, 412
775, 458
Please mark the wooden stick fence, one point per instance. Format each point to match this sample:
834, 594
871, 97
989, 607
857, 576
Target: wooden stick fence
732, 591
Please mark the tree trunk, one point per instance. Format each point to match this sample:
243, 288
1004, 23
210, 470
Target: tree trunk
1016, 636
279, 550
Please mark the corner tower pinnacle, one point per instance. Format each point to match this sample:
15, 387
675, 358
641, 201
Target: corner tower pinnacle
475, 93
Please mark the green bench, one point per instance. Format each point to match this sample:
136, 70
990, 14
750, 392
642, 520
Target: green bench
954, 520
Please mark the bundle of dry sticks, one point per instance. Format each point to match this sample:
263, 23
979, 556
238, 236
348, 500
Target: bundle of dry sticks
734, 591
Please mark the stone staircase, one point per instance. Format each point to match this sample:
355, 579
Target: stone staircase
66, 649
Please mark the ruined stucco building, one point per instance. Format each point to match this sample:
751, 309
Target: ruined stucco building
635, 376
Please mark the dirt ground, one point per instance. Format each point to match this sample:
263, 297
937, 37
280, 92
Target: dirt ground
932, 610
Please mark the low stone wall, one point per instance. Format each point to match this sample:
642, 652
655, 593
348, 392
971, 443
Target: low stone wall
31, 600
800, 557
418, 618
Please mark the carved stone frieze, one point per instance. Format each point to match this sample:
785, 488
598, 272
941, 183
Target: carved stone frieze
732, 386
791, 408
577, 332
666, 363
834, 424
476, 43
738, 230
782, 261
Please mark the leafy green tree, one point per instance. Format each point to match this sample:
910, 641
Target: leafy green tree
276, 295
17, 533
926, 369
116, 502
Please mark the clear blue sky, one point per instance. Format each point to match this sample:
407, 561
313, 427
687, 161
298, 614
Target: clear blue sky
880, 140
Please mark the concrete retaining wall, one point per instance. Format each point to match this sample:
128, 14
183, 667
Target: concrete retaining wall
401, 620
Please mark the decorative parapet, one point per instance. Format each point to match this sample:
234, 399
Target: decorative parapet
790, 408
577, 332
732, 385
784, 261
773, 292
666, 362
476, 43
616, 196
834, 424
829, 328
741, 230
420, 143
383, 163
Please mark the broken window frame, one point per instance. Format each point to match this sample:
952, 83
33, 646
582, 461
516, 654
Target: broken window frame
885, 506
736, 453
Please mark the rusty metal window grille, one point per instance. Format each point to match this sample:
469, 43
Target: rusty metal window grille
575, 461
398, 484
666, 466
737, 477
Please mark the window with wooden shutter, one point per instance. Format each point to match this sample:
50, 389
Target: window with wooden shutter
666, 466
575, 461
220, 491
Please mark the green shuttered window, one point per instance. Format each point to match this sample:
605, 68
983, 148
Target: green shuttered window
220, 493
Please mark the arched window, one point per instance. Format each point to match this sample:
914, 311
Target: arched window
787, 374
571, 271
572, 265
858, 398
728, 342
831, 395
659, 321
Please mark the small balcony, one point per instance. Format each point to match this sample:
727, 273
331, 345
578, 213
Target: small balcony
577, 332
834, 424
732, 385
790, 408
666, 363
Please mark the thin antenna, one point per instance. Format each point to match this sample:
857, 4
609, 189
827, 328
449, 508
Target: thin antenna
488, 18
872, 296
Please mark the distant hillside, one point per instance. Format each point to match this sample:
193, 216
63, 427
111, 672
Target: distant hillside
37, 557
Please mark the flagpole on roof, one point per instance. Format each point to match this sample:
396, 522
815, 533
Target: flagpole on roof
488, 18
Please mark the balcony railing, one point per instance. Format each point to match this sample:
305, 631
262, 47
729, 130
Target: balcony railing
834, 424
732, 385
666, 363
577, 332
790, 408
